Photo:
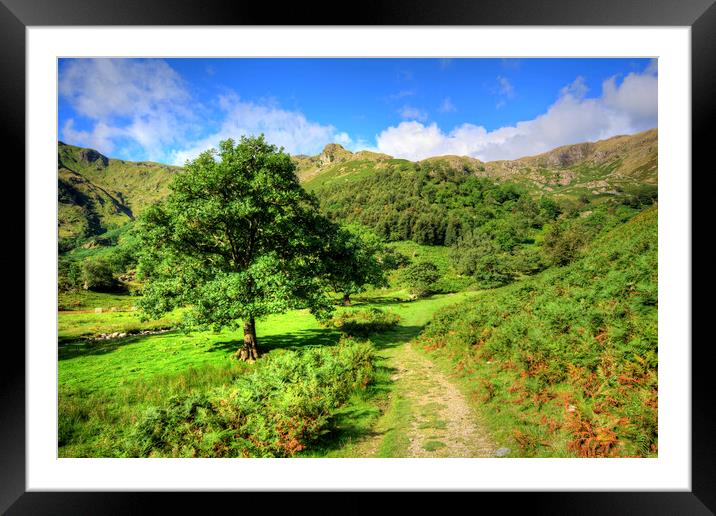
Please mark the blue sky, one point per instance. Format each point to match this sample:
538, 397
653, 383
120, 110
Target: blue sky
169, 110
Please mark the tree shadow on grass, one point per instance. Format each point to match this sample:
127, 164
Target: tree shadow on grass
322, 337
359, 302
292, 340
67, 349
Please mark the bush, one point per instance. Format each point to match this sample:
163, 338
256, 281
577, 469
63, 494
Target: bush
483, 259
277, 411
420, 278
69, 275
362, 323
567, 359
97, 275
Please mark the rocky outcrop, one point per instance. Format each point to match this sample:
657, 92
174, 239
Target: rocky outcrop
333, 153
91, 156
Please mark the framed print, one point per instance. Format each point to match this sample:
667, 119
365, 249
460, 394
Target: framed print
414, 253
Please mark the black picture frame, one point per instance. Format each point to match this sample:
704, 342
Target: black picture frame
16, 15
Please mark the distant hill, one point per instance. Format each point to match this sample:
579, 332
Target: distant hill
97, 193
621, 164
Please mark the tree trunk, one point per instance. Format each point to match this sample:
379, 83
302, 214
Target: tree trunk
249, 352
346, 299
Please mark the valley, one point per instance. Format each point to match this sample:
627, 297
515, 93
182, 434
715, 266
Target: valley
511, 312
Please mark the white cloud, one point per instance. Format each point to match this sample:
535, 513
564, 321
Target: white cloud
144, 106
637, 95
143, 103
288, 129
101, 137
412, 113
447, 106
623, 108
98, 88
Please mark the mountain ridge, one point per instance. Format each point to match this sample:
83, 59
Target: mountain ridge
97, 193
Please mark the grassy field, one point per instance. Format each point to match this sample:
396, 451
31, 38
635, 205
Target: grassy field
105, 386
561, 364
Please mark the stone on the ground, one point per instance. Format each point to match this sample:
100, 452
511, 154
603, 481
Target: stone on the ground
502, 452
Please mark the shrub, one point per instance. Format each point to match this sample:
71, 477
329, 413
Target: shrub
277, 411
362, 323
97, 275
69, 275
420, 278
562, 243
567, 359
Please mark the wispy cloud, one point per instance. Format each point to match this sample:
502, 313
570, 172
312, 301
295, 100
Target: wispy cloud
623, 107
504, 90
505, 87
138, 103
144, 107
447, 106
288, 129
511, 64
412, 113
445, 63
401, 94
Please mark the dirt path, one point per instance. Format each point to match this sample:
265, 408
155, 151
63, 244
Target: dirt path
442, 423
428, 415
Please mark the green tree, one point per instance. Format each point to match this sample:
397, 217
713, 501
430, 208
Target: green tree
352, 261
420, 278
96, 274
481, 257
563, 242
69, 274
236, 239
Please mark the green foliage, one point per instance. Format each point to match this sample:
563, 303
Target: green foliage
429, 203
392, 259
353, 260
69, 275
566, 360
567, 236
363, 323
237, 239
482, 258
97, 274
277, 411
116, 251
420, 278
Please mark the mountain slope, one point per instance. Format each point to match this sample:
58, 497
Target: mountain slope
96, 193
613, 166
565, 363
622, 164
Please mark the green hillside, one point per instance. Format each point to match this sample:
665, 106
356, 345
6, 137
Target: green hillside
435, 200
565, 363
96, 193
518, 316
620, 165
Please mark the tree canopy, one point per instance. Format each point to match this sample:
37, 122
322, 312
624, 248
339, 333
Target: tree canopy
236, 239
353, 260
